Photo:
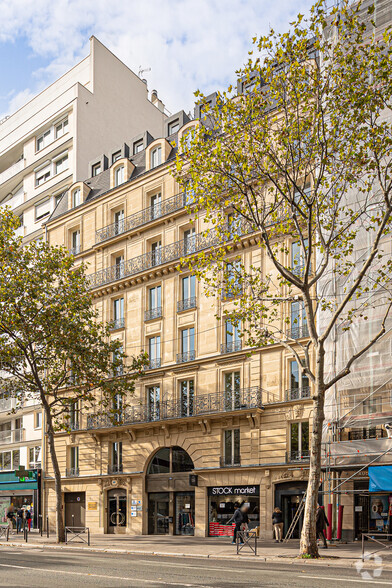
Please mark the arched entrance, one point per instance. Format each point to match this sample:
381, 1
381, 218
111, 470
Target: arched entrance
171, 499
117, 510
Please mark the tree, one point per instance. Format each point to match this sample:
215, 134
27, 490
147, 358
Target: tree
53, 347
301, 159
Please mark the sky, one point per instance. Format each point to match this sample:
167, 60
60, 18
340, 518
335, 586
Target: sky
188, 44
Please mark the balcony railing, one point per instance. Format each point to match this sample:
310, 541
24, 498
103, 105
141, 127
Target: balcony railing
139, 219
186, 304
153, 313
200, 405
74, 425
231, 346
186, 356
298, 332
7, 404
154, 363
296, 456
367, 433
230, 462
115, 468
13, 436
117, 324
11, 171
75, 250
72, 472
171, 252
297, 393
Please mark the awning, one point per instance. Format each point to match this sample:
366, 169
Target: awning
380, 478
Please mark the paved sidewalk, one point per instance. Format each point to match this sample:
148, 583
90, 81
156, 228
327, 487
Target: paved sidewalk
204, 547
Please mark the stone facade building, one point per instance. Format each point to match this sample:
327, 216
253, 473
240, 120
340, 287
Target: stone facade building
212, 424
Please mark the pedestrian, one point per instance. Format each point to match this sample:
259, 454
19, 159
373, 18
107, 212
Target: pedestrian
19, 520
240, 517
28, 518
277, 521
10, 518
321, 524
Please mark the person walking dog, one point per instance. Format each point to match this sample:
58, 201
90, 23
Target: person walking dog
277, 521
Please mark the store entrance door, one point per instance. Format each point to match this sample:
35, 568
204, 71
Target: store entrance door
158, 513
117, 510
290, 506
185, 513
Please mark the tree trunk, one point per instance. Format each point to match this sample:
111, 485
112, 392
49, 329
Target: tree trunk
308, 535
60, 528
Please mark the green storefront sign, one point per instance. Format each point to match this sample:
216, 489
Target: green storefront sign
21, 479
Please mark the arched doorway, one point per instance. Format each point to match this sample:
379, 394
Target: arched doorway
171, 499
117, 510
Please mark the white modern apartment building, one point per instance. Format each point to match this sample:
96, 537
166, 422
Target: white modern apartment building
99, 106
50, 142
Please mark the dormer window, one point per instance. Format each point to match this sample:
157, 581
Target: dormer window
96, 169
156, 157
138, 146
116, 156
174, 127
119, 175
76, 198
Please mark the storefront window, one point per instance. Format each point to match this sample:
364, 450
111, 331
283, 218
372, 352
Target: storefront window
224, 500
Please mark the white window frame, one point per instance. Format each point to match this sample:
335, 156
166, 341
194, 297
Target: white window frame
60, 124
73, 199
156, 156
46, 139
118, 181
44, 170
62, 157
44, 201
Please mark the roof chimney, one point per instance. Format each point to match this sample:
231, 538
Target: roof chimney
156, 101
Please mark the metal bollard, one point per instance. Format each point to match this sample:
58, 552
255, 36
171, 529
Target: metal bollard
73, 520
40, 523
47, 527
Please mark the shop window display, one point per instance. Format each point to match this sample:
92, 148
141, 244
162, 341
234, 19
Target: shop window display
224, 500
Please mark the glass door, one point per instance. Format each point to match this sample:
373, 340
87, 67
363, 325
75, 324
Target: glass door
117, 510
158, 513
185, 513
232, 391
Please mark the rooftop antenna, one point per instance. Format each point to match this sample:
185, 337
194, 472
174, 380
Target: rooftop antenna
143, 70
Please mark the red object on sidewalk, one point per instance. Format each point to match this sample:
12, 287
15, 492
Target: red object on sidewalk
329, 517
340, 522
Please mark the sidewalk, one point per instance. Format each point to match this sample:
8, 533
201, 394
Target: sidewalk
205, 547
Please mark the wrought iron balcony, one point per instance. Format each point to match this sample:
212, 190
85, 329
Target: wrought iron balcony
72, 472
186, 356
230, 462
115, 468
367, 433
297, 332
231, 346
200, 405
75, 250
186, 304
297, 393
117, 324
74, 425
154, 363
172, 252
139, 219
296, 456
153, 313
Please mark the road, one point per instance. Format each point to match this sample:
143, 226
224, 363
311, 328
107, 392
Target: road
73, 569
